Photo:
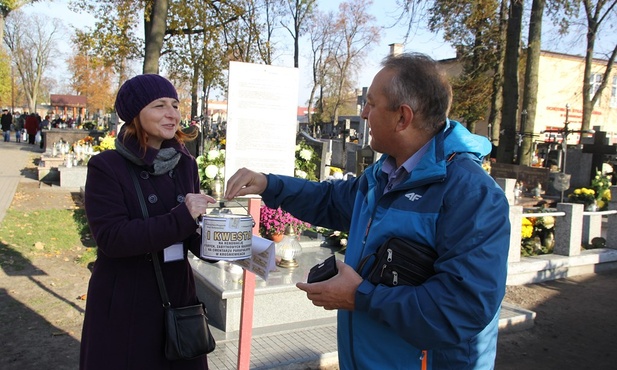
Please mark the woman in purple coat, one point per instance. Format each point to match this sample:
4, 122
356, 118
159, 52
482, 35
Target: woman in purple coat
123, 325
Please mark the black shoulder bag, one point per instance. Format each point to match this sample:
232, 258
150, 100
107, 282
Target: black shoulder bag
186, 328
400, 262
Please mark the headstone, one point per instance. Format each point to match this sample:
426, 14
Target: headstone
364, 158
599, 149
578, 165
529, 177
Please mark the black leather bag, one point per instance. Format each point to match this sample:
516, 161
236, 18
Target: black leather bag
188, 333
399, 262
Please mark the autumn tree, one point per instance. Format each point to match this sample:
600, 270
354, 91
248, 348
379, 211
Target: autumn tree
598, 13
474, 28
93, 78
116, 25
31, 42
505, 152
6, 80
6, 7
353, 36
319, 32
249, 39
195, 53
300, 13
530, 90
112, 37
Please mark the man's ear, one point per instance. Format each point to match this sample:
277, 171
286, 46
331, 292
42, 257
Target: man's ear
406, 116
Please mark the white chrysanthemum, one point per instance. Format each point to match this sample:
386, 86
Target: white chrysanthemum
298, 147
213, 154
607, 168
301, 174
343, 242
211, 171
306, 154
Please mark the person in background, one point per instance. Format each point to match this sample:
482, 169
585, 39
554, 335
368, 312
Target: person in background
31, 126
45, 125
20, 121
193, 146
6, 121
428, 187
124, 320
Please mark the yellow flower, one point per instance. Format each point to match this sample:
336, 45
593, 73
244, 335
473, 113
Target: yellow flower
527, 229
607, 194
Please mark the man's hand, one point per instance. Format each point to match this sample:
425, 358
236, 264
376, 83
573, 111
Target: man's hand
336, 293
245, 182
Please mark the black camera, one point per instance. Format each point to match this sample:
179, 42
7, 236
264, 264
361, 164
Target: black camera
323, 271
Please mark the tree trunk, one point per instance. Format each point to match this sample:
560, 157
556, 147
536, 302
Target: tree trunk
194, 94
494, 120
154, 29
530, 92
510, 86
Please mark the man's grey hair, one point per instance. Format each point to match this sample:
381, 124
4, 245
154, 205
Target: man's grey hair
419, 82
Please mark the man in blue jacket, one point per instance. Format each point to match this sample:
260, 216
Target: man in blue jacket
428, 187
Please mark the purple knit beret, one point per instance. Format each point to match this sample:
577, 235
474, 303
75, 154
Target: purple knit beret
140, 91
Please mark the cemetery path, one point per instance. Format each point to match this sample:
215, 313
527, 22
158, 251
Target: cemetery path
41, 310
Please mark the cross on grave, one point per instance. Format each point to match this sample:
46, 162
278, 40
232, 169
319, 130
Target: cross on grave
598, 149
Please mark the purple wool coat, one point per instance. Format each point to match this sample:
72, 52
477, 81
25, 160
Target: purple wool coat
123, 325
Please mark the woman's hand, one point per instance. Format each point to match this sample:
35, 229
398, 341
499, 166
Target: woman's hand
198, 203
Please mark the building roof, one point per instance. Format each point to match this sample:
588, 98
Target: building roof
57, 100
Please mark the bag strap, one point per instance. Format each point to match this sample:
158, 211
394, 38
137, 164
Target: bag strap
363, 262
155, 257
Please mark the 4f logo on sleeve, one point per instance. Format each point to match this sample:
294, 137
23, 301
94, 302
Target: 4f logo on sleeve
413, 196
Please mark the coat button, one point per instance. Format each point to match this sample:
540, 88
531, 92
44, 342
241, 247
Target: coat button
180, 198
144, 175
152, 198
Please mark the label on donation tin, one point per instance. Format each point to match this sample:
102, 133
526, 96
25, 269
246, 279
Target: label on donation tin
226, 237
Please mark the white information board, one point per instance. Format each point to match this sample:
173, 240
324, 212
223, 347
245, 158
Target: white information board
261, 118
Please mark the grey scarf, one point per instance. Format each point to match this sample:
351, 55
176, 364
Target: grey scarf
165, 161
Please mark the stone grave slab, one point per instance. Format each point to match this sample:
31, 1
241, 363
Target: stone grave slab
530, 177
277, 301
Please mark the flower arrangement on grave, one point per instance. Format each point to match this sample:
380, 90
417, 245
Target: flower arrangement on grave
306, 162
486, 165
601, 184
334, 238
537, 234
584, 196
274, 221
210, 165
107, 142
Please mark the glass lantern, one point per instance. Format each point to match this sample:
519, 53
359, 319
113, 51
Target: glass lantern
288, 249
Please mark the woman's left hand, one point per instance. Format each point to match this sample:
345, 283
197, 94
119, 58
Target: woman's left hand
198, 203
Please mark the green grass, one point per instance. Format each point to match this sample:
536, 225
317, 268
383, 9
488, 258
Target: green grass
24, 235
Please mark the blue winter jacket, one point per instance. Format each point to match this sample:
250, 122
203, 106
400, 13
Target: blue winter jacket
449, 203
